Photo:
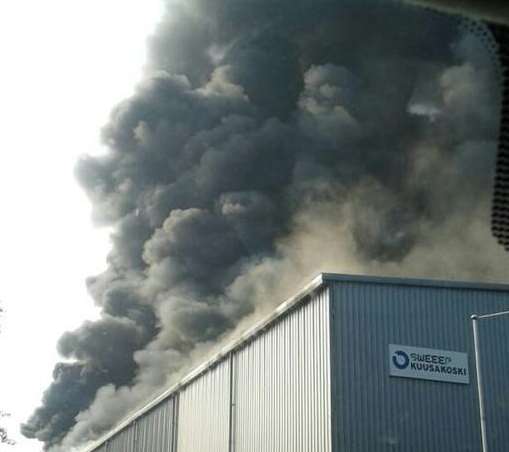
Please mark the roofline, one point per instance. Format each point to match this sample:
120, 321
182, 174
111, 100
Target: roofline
415, 282
316, 283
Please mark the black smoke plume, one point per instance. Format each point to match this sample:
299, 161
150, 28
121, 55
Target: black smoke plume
270, 140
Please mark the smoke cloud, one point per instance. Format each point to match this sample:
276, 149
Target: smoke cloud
267, 142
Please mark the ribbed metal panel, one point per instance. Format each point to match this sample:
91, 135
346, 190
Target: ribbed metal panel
204, 407
314, 376
206, 393
151, 432
155, 429
282, 384
376, 412
123, 441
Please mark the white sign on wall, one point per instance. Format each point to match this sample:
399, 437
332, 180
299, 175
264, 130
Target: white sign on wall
428, 364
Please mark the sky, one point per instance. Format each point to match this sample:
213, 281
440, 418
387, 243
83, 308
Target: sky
64, 66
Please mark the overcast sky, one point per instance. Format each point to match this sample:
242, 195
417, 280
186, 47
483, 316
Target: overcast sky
64, 66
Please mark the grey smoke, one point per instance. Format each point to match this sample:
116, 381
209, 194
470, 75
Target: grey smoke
270, 140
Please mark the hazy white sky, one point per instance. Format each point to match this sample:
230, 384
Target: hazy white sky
64, 64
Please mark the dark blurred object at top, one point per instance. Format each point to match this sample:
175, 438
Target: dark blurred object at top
496, 11
500, 209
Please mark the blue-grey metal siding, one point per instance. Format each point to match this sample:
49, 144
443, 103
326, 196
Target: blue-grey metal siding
155, 429
123, 441
376, 412
314, 377
282, 384
204, 407
200, 412
152, 432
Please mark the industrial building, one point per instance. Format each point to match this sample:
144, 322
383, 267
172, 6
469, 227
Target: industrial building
351, 363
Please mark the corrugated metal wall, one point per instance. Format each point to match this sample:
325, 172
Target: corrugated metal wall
155, 429
282, 385
123, 441
272, 394
376, 412
152, 432
204, 407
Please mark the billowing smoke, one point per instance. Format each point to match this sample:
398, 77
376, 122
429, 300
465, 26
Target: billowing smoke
269, 141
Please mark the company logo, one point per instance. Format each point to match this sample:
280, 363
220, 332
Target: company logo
428, 364
400, 359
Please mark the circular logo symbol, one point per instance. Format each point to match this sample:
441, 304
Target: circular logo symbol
400, 360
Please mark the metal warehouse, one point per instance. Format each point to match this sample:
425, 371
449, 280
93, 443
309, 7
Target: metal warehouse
351, 364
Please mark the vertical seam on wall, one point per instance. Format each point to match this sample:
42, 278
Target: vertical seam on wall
333, 363
135, 433
231, 426
176, 408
